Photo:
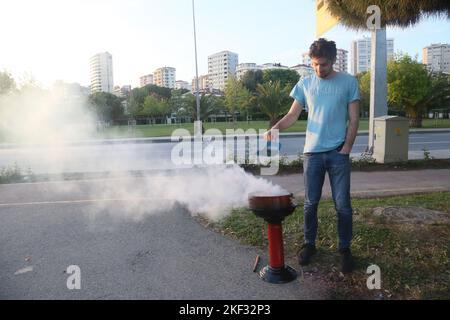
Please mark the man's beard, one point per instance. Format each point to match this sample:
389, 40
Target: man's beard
325, 75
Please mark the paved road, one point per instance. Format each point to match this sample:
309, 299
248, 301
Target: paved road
166, 254
140, 248
148, 156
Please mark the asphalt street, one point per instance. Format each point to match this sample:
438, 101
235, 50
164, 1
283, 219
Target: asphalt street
148, 155
136, 246
145, 249
162, 254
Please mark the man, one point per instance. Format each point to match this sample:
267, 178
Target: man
332, 99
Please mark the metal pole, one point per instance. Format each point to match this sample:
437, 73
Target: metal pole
198, 132
196, 62
378, 86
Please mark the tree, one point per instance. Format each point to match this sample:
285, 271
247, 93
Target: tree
159, 92
400, 13
177, 102
136, 101
274, 100
209, 105
414, 88
7, 83
251, 79
440, 91
138, 95
408, 85
237, 97
286, 77
154, 108
107, 106
364, 88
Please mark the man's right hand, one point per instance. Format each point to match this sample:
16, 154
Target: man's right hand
271, 134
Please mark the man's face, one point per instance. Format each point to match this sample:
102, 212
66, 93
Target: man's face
323, 67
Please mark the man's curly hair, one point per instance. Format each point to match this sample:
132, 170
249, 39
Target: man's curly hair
323, 49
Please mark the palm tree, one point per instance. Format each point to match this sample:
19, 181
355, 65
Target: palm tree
273, 100
400, 13
209, 105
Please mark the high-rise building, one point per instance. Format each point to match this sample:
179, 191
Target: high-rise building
306, 59
203, 84
146, 80
437, 57
101, 73
180, 84
273, 66
341, 64
165, 77
122, 92
362, 52
220, 67
242, 69
303, 70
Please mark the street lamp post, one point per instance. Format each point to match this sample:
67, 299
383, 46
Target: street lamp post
198, 123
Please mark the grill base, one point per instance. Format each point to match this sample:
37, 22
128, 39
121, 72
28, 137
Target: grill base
278, 275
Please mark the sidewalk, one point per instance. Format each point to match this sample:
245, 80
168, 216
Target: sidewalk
375, 184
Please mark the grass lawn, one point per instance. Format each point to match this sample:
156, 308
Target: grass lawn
161, 130
414, 259
144, 131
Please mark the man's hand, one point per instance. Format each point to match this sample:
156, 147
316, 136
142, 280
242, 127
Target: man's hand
272, 134
352, 131
286, 122
345, 150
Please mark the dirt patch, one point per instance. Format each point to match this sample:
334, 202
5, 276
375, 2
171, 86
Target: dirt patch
411, 215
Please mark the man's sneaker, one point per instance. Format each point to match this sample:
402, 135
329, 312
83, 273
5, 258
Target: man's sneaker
347, 262
307, 251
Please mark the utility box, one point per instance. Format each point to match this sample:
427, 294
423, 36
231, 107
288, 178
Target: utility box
391, 139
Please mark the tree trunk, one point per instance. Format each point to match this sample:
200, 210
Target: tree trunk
415, 120
273, 122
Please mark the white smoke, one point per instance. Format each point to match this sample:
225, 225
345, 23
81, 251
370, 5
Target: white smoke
50, 120
52, 117
212, 192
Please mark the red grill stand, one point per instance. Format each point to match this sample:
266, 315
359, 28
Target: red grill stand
277, 272
274, 209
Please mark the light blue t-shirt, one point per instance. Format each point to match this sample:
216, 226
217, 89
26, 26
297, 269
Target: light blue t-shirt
327, 104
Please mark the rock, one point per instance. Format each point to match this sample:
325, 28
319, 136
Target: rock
412, 215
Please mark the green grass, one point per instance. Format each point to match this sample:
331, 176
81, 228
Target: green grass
14, 174
161, 130
414, 259
439, 123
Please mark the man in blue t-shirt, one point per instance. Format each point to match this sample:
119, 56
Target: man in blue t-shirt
332, 100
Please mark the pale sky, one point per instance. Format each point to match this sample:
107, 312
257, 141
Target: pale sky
54, 39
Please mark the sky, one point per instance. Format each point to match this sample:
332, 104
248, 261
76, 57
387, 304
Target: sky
51, 40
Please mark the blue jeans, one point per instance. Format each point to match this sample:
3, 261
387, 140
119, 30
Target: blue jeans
338, 167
